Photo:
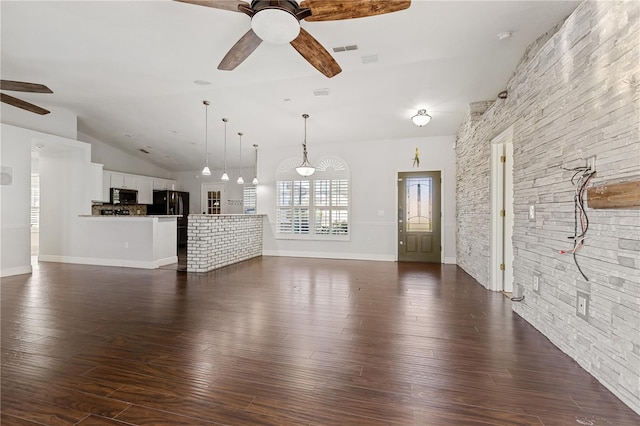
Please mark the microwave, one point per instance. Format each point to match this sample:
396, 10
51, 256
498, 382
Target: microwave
123, 196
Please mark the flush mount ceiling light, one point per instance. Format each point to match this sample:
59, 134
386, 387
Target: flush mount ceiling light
225, 176
240, 181
305, 169
206, 171
421, 118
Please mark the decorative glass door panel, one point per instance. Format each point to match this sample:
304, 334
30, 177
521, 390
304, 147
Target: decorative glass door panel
214, 202
419, 217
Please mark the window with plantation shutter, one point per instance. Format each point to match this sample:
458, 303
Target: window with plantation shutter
249, 202
316, 207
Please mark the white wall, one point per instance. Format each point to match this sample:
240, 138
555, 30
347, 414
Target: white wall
64, 194
15, 227
571, 97
120, 161
374, 166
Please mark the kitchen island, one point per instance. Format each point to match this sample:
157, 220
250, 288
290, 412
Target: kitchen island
147, 241
217, 240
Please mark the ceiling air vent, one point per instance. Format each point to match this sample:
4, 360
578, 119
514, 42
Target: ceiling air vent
345, 48
321, 92
369, 59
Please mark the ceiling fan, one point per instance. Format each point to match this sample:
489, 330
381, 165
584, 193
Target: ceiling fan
19, 86
278, 21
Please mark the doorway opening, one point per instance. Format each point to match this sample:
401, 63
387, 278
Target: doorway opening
35, 209
502, 212
419, 217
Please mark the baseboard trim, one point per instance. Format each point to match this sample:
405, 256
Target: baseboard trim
324, 255
19, 270
124, 263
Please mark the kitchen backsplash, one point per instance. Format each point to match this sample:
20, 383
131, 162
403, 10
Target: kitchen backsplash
110, 209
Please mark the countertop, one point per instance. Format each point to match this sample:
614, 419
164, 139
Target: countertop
131, 216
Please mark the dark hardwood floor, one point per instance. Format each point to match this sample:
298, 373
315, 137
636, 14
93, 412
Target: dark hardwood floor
285, 341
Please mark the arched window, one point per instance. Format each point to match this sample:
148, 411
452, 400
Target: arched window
316, 207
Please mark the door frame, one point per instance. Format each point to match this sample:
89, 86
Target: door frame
442, 210
502, 195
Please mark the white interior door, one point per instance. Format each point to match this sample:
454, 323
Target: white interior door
502, 212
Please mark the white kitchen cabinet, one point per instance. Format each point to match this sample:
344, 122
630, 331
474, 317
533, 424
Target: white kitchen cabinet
144, 185
117, 180
97, 183
160, 184
123, 180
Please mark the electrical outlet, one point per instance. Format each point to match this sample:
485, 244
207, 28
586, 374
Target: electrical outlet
582, 305
591, 163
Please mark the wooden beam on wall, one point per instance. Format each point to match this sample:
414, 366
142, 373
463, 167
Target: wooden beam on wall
623, 195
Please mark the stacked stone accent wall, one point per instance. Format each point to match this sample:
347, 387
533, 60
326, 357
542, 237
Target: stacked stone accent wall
214, 241
575, 94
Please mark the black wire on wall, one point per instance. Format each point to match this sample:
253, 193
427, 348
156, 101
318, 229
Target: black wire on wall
580, 180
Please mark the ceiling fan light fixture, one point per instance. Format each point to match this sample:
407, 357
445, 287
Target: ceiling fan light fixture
275, 25
421, 118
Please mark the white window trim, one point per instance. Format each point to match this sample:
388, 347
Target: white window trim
325, 169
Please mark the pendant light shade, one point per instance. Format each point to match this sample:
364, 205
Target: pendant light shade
305, 169
240, 181
255, 169
205, 170
421, 118
225, 176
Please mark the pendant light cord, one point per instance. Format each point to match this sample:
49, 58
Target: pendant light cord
304, 143
225, 144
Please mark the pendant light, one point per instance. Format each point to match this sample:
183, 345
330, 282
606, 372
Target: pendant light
255, 171
305, 169
240, 181
225, 176
206, 171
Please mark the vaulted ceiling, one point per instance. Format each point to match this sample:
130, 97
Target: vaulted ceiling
128, 70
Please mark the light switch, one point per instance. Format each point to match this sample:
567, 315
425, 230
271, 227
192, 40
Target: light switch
532, 211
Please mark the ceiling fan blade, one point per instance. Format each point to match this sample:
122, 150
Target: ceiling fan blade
20, 86
332, 10
315, 54
240, 51
232, 5
22, 104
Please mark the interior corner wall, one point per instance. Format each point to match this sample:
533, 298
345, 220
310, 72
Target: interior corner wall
115, 159
576, 94
59, 122
15, 197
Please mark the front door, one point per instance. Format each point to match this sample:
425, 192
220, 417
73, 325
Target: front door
419, 217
